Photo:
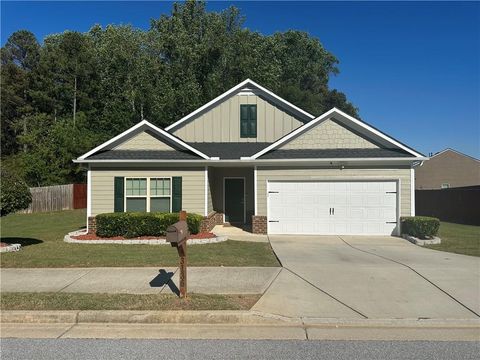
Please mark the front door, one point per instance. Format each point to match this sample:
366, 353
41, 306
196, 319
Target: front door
234, 196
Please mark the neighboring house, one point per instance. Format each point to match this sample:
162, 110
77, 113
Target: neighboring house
448, 169
251, 157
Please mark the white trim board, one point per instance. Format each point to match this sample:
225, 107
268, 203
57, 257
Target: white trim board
142, 126
227, 93
346, 118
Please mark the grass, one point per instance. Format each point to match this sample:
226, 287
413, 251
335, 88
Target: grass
81, 301
41, 236
457, 238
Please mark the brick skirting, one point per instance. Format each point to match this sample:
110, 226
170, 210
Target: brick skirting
92, 225
209, 222
259, 224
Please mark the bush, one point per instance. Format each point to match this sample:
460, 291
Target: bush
14, 193
421, 227
135, 224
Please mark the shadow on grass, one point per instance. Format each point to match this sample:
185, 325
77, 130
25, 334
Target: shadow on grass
21, 241
165, 278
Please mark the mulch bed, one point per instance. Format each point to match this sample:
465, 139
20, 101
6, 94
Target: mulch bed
204, 235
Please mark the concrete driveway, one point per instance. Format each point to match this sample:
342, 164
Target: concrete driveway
370, 277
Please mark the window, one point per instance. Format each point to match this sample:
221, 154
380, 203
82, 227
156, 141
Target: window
160, 194
445, 186
148, 194
248, 121
136, 194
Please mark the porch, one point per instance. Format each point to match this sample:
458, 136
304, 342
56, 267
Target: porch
230, 195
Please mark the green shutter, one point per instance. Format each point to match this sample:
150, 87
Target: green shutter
244, 121
253, 120
176, 193
118, 194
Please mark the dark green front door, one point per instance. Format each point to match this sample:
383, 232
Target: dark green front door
234, 200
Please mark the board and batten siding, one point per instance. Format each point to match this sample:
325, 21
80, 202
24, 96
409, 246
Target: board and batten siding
329, 135
328, 174
193, 186
222, 122
143, 141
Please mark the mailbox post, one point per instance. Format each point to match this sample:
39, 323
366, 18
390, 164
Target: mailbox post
177, 237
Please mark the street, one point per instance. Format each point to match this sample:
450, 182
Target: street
60, 349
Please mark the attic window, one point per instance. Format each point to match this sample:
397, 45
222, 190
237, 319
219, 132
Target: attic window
248, 121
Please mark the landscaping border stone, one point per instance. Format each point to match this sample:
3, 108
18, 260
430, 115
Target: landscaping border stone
10, 248
68, 238
433, 241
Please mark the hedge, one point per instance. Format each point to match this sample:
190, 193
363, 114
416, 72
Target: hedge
135, 224
420, 226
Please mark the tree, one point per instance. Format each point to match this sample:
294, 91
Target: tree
14, 193
19, 57
77, 90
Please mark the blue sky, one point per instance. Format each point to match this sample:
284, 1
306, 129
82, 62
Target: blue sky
412, 68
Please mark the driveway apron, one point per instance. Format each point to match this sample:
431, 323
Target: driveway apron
366, 285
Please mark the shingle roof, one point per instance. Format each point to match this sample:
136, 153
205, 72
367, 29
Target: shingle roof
334, 153
144, 155
229, 151
233, 150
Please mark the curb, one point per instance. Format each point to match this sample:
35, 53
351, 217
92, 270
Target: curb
219, 317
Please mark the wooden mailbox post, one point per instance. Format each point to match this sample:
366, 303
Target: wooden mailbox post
177, 235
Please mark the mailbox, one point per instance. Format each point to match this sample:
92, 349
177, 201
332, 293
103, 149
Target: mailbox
177, 233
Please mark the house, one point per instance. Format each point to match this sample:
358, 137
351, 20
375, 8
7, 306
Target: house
251, 157
448, 169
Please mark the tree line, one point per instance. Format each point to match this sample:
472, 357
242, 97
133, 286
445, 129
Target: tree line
76, 90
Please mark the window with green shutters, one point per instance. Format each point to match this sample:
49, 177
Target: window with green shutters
148, 194
248, 121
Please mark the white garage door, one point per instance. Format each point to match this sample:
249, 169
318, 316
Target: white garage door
342, 208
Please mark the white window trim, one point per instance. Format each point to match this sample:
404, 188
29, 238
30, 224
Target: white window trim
147, 196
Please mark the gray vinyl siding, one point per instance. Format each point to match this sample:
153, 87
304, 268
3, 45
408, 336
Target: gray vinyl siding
143, 141
222, 123
265, 174
329, 135
193, 186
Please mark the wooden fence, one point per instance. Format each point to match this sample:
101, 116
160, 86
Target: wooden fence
57, 197
457, 205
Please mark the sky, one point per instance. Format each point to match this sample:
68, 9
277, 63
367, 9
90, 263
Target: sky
412, 68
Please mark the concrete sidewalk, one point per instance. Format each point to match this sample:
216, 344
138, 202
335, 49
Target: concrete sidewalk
149, 280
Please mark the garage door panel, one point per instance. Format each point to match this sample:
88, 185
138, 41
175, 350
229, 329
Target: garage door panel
336, 207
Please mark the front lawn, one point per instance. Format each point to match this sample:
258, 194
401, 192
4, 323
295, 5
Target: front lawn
80, 301
41, 236
457, 238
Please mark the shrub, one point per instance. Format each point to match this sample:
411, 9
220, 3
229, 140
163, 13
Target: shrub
14, 193
135, 224
420, 226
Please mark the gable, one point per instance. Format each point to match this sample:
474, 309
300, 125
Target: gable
222, 122
143, 141
358, 127
329, 134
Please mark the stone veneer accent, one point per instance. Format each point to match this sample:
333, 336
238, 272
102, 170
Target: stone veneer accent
92, 225
209, 222
259, 224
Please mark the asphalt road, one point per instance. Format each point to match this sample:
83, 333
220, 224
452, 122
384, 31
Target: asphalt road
60, 349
